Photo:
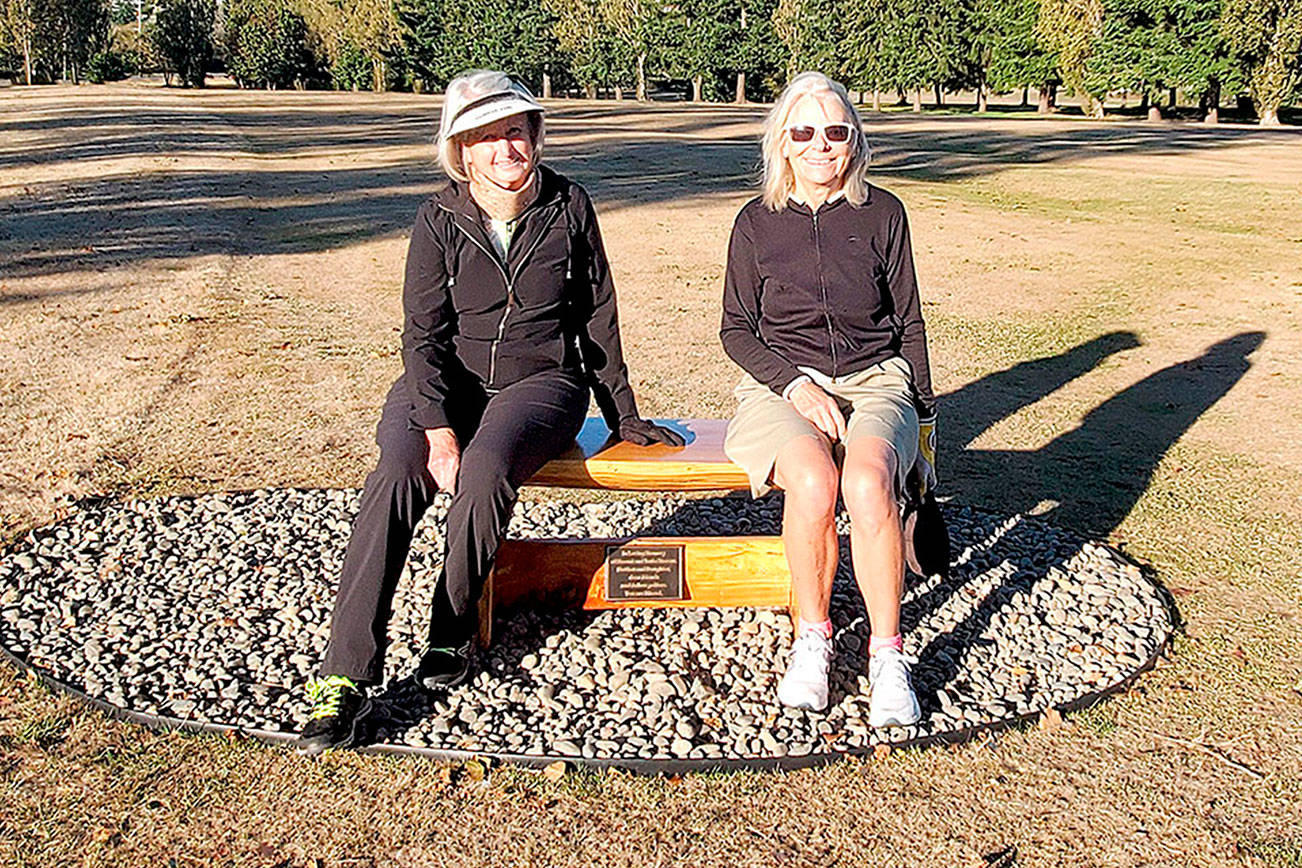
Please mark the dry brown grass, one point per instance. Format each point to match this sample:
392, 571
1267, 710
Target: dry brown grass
198, 291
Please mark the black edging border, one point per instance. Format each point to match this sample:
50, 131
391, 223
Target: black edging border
649, 767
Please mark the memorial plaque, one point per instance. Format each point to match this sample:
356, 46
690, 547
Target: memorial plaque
636, 573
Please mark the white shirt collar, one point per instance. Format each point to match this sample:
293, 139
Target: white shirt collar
795, 197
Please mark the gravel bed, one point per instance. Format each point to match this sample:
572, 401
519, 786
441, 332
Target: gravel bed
216, 609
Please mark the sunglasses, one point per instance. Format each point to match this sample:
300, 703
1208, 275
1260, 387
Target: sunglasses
834, 133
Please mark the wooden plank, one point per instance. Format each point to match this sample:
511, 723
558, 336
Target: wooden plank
596, 462
720, 571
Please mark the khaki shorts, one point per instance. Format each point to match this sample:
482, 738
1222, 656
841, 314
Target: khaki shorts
877, 402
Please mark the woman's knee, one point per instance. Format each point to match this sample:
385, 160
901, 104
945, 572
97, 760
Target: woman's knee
809, 481
403, 459
868, 488
484, 474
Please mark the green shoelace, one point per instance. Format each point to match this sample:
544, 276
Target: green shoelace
327, 694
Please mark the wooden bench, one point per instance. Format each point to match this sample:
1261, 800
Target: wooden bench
716, 571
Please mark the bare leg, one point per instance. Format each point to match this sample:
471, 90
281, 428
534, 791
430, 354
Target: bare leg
876, 539
807, 474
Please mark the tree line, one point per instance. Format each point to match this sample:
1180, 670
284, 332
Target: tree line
1156, 50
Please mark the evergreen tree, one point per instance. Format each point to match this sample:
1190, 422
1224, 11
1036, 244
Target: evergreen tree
599, 55
447, 37
696, 36
1018, 56
1002, 51
267, 44
359, 38
1070, 29
756, 56
1264, 37
182, 35
1154, 45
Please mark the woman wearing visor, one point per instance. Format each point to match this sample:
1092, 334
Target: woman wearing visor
509, 322
821, 311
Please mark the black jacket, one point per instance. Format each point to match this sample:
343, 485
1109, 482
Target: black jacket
833, 290
472, 319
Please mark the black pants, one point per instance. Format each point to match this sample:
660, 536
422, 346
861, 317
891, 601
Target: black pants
505, 438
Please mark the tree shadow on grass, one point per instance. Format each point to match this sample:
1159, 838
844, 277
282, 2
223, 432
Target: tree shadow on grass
100, 221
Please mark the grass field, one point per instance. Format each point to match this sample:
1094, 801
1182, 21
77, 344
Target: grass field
199, 291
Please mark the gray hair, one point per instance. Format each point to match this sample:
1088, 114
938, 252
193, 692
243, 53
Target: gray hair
778, 181
464, 91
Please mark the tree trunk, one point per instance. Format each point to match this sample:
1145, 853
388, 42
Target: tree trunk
547, 86
696, 88
983, 100
1170, 102
940, 97
1048, 100
589, 91
641, 77
1269, 116
1154, 113
917, 99
1143, 101
877, 100
861, 96
1026, 95
27, 60
740, 97
1212, 114
619, 91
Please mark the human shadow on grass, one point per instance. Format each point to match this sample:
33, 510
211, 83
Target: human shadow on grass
1090, 476
1095, 473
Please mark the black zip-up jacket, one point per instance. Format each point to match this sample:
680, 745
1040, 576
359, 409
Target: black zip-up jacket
833, 290
550, 305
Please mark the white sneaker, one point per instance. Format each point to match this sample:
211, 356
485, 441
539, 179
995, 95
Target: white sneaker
805, 684
893, 702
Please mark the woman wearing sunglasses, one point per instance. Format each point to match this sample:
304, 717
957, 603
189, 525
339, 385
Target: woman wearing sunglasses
821, 311
510, 321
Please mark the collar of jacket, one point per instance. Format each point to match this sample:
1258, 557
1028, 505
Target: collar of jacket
455, 197
839, 202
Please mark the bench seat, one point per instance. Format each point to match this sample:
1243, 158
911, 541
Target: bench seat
597, 462
717, 571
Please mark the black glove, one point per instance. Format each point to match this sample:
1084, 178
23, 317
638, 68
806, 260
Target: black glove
644, 432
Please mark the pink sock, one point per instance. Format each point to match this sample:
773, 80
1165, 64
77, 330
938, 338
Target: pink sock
877, 643
823, 628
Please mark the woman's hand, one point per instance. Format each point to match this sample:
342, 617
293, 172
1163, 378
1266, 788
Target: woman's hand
444, 457
644, 432
820, 408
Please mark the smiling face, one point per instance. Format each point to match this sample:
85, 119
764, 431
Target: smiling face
817, 163
501, 153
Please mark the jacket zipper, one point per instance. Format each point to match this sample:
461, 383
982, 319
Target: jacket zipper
822, 289
510, 289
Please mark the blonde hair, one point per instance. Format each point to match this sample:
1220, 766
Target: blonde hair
778, 180
463, 90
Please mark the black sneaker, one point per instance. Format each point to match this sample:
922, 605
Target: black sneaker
338, 708
441, 668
